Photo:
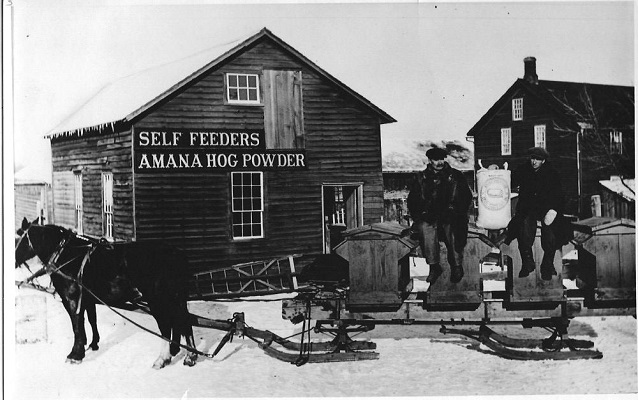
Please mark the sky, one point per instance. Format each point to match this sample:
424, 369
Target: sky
436, 67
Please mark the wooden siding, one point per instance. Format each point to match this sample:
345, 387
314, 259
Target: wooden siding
92, 155
63, 199
562, 147
26, 198
192, 210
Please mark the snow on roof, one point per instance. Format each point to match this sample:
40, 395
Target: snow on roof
29, 175
131, 93
615, 185
130, 96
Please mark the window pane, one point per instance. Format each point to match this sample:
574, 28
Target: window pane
256, 179
243, 81
232, 80
252, 94
243, 94
252, 81
233, 95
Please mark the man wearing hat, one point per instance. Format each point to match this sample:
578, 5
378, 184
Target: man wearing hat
438, 202
540, 199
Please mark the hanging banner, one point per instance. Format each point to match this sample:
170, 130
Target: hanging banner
205, 150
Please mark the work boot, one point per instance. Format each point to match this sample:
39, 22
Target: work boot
547, 266
456, 274
435, 272
528, 263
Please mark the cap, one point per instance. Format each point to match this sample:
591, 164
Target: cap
436, 153
538, 152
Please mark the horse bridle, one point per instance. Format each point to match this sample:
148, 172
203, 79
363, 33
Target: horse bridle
50, 267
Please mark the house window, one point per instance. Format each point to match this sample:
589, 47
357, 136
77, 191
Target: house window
615, 142
539, 136
506, 141
242, 88
517, 109
79, 214
107, 204
247, 190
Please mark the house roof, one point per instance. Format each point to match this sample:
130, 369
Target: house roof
612, 105
125, 99
616, 185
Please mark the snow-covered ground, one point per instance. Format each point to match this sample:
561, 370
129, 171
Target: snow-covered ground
414, 361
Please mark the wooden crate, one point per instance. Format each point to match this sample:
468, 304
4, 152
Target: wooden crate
607, 262
465, 295
378, 265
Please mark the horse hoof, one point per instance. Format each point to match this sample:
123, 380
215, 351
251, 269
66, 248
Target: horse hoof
73, 361
94, 347
190, 360
160, 363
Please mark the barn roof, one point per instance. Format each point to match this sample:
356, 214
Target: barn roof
123, 100
613, 105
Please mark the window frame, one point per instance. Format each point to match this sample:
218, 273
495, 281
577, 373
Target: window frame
237, 87
78, 206
506, 145
615, 142
540, 136
517, 109
107, 205
242, 212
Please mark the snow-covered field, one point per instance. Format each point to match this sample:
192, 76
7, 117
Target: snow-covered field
414, 361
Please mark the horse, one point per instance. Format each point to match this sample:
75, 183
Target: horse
86, 271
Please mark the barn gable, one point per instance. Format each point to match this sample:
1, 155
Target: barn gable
258, 154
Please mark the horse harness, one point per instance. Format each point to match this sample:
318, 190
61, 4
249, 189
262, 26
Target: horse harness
51, 266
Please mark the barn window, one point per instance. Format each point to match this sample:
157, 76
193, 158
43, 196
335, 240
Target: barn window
615, 142
247, 204
107, 204
506, 141
517, 109
283, 110
79, 213
539, 136
242, 88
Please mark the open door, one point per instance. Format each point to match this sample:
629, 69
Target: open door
342, 210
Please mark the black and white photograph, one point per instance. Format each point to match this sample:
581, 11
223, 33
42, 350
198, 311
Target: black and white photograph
318, 199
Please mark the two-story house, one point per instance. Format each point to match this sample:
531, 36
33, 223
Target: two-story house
588, 129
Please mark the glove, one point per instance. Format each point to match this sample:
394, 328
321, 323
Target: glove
549, 217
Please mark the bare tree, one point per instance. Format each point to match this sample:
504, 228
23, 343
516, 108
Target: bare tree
606, 135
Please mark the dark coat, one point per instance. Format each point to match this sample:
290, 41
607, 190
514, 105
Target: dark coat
442, 197
539, 191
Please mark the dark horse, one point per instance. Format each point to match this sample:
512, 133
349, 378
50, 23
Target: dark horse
86, 271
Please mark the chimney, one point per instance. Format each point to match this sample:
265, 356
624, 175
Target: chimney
530, 70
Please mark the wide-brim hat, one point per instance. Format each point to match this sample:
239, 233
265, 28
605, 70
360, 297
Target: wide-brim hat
436, 153
538, 152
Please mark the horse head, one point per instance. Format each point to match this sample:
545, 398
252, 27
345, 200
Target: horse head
37, 240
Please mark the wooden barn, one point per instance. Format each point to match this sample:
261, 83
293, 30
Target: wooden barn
587, 128
245, 152
32, 197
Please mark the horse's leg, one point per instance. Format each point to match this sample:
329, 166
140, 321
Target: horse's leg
191, 358
186, 329
164, 357
92, 317
77, 321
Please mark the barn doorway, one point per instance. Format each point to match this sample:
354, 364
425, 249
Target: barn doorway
342, 210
